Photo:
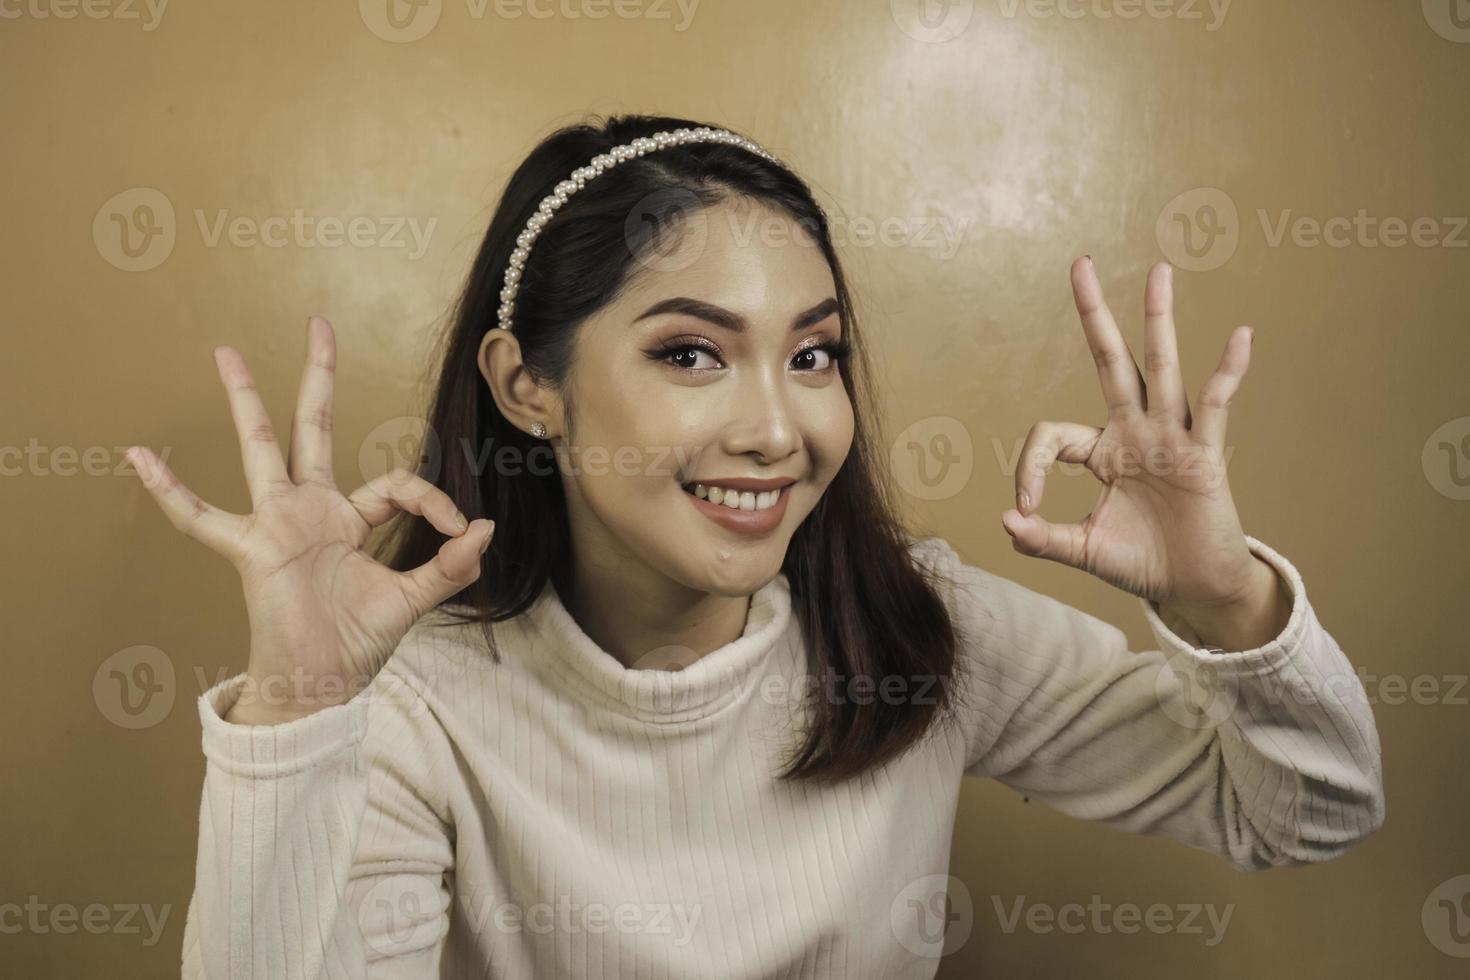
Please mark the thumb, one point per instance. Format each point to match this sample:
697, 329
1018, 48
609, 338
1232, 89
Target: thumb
455, 566
1034, 535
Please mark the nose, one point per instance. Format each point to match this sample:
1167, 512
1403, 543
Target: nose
762, 421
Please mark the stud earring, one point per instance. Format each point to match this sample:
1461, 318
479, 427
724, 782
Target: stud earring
538, 429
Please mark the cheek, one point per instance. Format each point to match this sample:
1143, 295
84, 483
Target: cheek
629, 447
832, 433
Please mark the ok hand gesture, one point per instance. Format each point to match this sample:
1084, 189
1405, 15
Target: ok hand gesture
324, 616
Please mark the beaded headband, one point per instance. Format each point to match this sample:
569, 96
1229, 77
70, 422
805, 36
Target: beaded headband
579, 178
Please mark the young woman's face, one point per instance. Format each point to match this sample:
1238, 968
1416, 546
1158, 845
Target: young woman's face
712, 367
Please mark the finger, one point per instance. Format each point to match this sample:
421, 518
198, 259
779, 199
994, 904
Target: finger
310, 456
216, 529
1163, 382
1214, 397
265, 470
1122, 384
381, 497
456, 566
1046, 443
1035, 536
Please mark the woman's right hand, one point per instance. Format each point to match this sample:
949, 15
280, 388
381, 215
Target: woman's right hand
324, 616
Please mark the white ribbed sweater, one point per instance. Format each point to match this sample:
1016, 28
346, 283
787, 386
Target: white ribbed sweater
559, 815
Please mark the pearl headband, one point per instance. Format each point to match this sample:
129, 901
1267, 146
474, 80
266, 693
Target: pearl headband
579, 178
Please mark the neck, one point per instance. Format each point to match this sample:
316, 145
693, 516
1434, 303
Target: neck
647, 621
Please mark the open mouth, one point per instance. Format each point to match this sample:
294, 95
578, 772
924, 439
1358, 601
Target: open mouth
737, 499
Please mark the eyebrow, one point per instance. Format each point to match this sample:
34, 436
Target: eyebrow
722, 317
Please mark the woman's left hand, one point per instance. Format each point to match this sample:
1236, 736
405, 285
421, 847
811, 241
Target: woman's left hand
1164, 527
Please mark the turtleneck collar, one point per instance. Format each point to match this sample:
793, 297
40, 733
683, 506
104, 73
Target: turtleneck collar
657, 696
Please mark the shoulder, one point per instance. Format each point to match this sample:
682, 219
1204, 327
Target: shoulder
962, 584
967, 590
417, 709
998, 612
931, 552
440, 651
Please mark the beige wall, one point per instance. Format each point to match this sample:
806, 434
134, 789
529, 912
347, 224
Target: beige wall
1038, 136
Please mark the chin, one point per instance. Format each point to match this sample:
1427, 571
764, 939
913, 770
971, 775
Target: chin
734, 570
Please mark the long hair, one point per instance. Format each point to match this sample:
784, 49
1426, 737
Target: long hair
866, 610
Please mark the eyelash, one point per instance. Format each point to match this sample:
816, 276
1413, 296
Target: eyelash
838, 351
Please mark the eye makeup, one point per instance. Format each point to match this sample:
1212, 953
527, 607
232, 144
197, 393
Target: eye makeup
836, 351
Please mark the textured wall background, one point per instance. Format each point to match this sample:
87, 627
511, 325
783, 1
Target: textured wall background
182, 175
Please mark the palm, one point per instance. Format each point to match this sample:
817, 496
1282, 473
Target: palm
1164, 526
324, 615
303, 561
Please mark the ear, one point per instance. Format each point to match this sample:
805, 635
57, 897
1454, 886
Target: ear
517, 395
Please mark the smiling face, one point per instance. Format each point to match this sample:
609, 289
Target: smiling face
714, 366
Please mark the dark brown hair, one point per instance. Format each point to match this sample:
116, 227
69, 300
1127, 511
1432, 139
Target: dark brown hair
865, 609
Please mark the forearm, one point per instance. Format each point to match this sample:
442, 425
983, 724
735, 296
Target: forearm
1299, 742
280, 813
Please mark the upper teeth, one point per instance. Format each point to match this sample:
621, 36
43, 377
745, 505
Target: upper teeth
736, 499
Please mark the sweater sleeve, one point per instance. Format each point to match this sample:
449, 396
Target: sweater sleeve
1266, 757
320, 855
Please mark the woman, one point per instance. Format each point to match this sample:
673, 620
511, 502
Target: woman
700, 707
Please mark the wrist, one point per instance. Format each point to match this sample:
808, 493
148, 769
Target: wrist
248, 713
1253, 618
266, 702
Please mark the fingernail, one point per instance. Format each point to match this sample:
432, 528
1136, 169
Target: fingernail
485, 545
1088, 258
1023, 500
460, 522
